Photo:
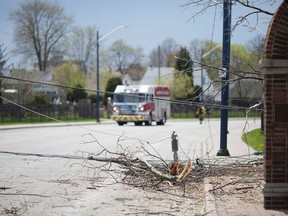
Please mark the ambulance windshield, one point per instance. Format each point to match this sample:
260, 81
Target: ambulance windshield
129, 98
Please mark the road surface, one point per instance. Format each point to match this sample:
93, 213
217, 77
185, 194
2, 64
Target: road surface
59, 186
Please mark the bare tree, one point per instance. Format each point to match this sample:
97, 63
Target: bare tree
3, 56
122, 55
39, 26
81, 47
3, 60
196, 47
253, 16
255, 46
164, 55
169, 50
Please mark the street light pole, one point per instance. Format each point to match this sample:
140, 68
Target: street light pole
97, 68
97, 79
202, 66
225, 78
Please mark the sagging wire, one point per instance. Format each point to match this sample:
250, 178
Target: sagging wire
179, 102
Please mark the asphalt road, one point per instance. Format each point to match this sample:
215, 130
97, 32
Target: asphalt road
60, 186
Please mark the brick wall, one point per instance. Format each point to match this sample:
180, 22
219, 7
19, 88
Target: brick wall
276, 39
275, 72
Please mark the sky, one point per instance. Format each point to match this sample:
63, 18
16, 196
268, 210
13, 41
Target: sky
149, 22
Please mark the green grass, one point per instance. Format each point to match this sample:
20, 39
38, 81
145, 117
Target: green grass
217, 114
254, 139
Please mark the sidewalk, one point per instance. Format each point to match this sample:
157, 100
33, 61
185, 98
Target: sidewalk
225, 202
216, 205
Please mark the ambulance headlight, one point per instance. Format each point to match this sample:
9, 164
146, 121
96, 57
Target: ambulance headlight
116, 109
141, 108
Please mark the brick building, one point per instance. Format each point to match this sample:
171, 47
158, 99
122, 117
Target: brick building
274, 66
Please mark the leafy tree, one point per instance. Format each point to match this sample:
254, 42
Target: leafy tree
40, 99
69, 74
184, 63
39, 26
111, 86
182, 86
77, 94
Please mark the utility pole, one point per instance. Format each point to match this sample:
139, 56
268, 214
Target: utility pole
227, 9
159, 64
97, 79
202, 66
97, 68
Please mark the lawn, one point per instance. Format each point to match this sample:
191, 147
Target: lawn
254, 139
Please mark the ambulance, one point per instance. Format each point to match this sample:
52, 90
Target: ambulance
141, 104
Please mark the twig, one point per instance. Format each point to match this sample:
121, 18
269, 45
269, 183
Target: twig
229, 183
244, 188
6, 188
25, 194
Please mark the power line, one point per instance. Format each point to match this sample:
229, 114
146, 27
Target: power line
189, 102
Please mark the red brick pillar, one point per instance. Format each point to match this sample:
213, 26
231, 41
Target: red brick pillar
275, 190
274, 68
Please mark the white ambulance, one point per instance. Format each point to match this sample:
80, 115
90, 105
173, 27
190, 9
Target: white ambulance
141, 104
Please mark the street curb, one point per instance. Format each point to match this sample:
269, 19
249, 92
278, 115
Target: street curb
209, 206
64, 124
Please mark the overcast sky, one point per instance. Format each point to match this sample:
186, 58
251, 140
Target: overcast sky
149, 22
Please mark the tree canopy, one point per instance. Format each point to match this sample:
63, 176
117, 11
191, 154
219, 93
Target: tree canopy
69, 74
80, 47
39, 26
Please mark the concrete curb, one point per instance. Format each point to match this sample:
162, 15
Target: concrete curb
209, 206
42, 125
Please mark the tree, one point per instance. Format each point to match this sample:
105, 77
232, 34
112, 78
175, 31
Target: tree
164, 55
169, 50
111, 86
182, 86
80, 47
255, 13
39, 26
184, 63
77, 94
69, 74
3, 61
121, 55
255, 46
3, 56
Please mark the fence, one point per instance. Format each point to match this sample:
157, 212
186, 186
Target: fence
11, 113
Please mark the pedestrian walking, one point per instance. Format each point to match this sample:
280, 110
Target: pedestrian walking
201, 111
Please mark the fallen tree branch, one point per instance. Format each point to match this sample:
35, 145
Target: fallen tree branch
222, 186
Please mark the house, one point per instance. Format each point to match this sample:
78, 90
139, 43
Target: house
127, 80
43, 89
154, 74
199, 75
245, 92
